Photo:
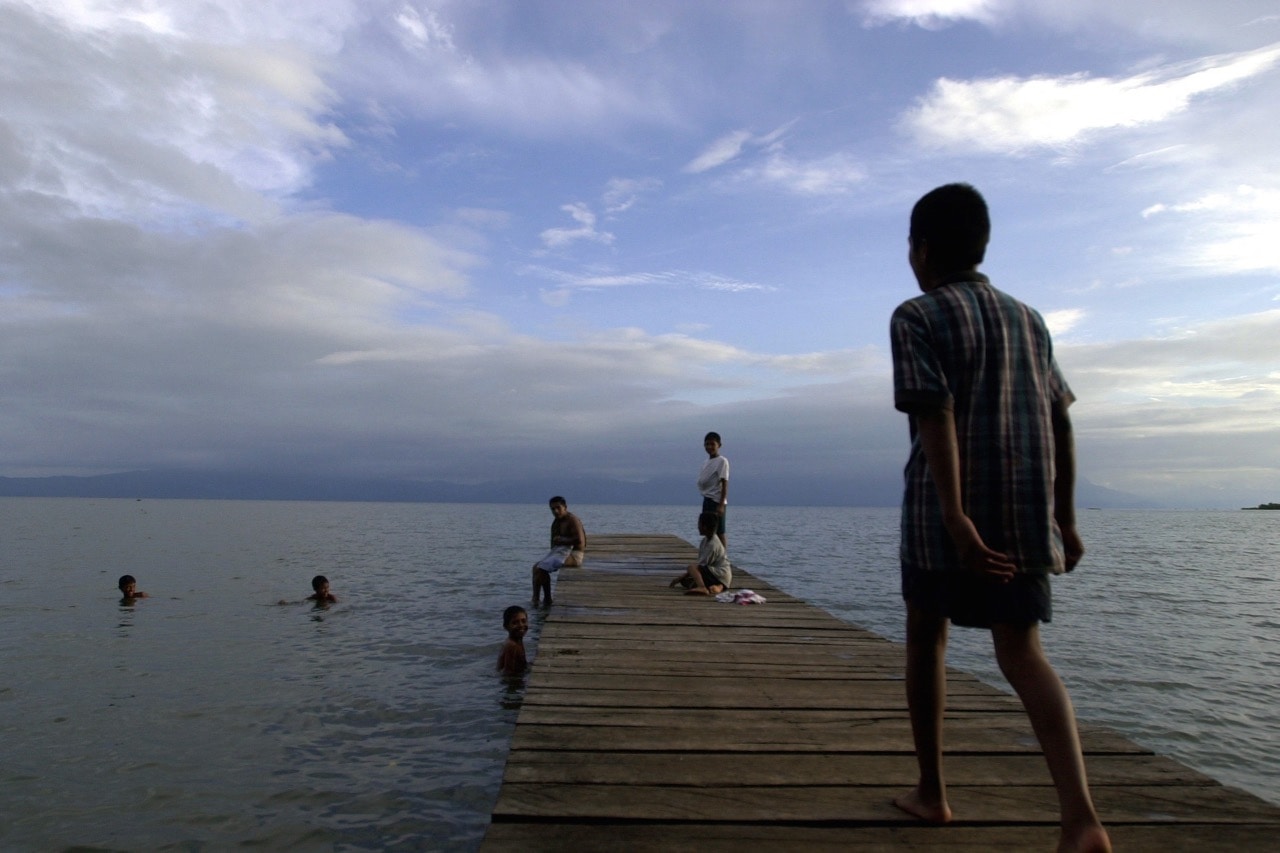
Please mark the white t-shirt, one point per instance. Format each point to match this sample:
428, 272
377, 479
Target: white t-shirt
715, 469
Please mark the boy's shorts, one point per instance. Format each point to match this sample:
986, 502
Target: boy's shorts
554, 560
708, 579
709, 505
973, 601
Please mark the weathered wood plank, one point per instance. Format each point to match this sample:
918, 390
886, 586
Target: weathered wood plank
723, 768
1004, 803
862, 694
1005, 733
708, 836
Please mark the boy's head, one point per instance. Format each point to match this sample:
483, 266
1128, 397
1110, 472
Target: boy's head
559, 506
515, 616
707, 523
711, 443
951, 226
127, 583
319, 581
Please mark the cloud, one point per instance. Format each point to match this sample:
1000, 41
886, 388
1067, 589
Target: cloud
768, 164
723, 150
424, 29
1011, 115
1173, 22
1235, 232
452, 62
834, 175
930, 14
556, 238
622, 193
145, 120
568, 282
1192, 411
1063, 321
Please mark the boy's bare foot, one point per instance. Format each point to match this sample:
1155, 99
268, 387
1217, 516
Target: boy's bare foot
926, 808
1093, 839
675, 583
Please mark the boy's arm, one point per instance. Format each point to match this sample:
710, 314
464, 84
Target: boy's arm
724, 494
577, 535
937, 432
1064, 484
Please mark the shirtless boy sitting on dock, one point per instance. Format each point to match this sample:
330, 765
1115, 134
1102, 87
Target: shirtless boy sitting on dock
568, 548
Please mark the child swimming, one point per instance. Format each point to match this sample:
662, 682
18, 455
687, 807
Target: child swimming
320, 584
511, 660
129, 589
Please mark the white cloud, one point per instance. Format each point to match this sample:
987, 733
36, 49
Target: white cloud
621, 193
1012, 115
768, 164
723, 150
599, 279
555, 238
1234, 232
1063, 321
930, 14
424, 28
157, 123
1229, 26
832, 175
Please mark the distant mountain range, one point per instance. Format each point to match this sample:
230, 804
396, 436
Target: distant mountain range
748, 491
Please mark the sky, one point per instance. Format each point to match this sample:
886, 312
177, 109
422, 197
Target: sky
477, 241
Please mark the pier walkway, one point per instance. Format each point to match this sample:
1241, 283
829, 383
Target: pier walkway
658, 721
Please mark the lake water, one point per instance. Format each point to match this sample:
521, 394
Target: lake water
209, 716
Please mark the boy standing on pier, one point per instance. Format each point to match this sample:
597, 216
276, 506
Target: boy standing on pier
713, 483
988, 511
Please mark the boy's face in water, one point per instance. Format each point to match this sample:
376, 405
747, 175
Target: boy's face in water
518, 625
322, 590
127, 589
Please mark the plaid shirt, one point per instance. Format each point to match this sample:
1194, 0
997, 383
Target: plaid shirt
968, 347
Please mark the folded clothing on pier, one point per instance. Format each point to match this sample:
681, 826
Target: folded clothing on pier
742, 596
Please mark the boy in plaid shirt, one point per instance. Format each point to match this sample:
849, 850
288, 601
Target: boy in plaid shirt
987, 513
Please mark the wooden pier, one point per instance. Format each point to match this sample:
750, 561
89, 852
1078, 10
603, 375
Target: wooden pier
659, 721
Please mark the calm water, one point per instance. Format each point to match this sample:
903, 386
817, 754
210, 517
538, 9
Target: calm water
209, 716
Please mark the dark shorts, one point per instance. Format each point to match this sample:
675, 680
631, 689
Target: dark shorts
709, 505
976, 602
708, 579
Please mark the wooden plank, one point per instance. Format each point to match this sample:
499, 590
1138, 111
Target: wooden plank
704, 836
1008, 733
659, 721
1003, 803
713, 768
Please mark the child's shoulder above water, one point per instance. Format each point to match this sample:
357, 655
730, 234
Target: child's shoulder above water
128, 586
321, 594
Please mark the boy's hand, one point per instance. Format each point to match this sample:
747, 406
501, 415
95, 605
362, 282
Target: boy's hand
1071, 545
974, 553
